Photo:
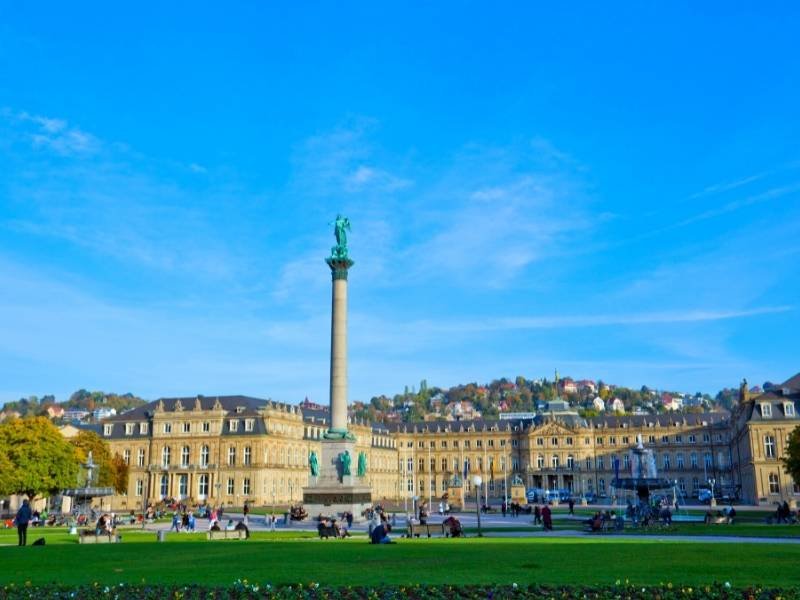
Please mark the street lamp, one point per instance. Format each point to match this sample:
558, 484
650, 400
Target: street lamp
477, 481
218, 485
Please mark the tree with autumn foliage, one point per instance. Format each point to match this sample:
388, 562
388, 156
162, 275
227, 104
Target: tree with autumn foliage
35, 459
791, 460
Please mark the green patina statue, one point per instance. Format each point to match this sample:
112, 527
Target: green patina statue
340, 228
313, 464
345, 458
362, 464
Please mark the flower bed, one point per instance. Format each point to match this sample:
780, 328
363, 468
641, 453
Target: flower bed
244, 590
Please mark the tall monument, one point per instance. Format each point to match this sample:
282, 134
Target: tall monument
333, 489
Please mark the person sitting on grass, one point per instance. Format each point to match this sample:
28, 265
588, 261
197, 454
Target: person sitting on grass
380, 535
454, 525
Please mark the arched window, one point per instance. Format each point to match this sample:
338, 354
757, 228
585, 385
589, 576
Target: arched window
185, 456
540, 461
554, 461
204, 456
570, 462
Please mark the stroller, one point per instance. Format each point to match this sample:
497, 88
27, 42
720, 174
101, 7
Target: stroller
453, 527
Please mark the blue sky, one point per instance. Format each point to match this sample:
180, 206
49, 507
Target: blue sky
613, 193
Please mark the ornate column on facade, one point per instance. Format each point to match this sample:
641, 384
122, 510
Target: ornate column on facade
334, 489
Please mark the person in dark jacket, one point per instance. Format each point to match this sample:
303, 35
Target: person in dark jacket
380, 535
22, 519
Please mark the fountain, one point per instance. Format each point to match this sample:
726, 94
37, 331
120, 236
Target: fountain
644, 476
82, 497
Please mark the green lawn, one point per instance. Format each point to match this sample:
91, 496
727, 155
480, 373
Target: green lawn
275, 559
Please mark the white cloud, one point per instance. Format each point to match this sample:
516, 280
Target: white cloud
58, 136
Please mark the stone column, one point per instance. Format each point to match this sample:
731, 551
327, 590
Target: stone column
338, 376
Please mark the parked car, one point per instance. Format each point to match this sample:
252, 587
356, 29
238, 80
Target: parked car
590, 497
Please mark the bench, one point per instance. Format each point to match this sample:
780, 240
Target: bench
103, 538
716, 520
234, 534
688, 518
429, 529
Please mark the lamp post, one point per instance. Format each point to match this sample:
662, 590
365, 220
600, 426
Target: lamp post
218, 485
477, 481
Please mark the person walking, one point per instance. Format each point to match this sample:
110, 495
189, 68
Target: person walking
503, 508
22, 519
547, 518
571, 504
537, 515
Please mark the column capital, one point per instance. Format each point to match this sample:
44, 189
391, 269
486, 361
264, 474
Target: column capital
339, 266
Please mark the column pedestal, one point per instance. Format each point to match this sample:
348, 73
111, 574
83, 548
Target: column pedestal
334, 493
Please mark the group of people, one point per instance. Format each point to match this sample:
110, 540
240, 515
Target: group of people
512, 508
605, 520
185, 522
379, 527
784, 514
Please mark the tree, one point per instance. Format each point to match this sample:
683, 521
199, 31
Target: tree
791, 460
42, 461
112, 472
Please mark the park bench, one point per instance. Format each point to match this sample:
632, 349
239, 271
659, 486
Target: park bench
429, 529
717, 520
688, 518
89, 536
233, 534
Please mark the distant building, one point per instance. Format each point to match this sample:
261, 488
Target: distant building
568, 386
587, 385
103, 413
515, 416
616, 405
598, 404
55, 412
75, 414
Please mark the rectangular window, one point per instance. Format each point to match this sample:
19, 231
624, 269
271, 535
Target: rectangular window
202, 485
139, 487
514, 443
167, 428
569, 441
766, 410
143, 427
626, 440
232, 455
774, 484
515, 464
246, 455
502, 443
491, 443
679, 460
479, 443
248, 424
693, 460
455, 443
186, 427
769, 446
230, 486
599, 441
246, 486
706, 438
140, 457
692, 439
678, 439
612, 440
107, 429
466, 443
233, 425
410, 465
540, 441
206, 426
129, 428
788, 409
664, 439
444, 444
126, 456
444, 464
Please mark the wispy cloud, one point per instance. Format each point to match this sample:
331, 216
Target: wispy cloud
59, 136
771, 194
726, 186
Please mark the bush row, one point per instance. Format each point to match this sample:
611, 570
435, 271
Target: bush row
244, 590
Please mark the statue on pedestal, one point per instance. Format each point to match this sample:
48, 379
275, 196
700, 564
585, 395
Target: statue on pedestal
313, 463
345, 458
340, 227
362, 464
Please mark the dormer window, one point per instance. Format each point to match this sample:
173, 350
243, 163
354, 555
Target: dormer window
107, 429
788, 409
128, 428
248, 424
142, 428
233, 425
239, 410
766, 411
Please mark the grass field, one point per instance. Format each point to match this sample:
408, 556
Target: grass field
277, 558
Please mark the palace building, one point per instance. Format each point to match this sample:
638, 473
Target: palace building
228, 449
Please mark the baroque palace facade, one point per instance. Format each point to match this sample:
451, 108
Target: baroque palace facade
225, 450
